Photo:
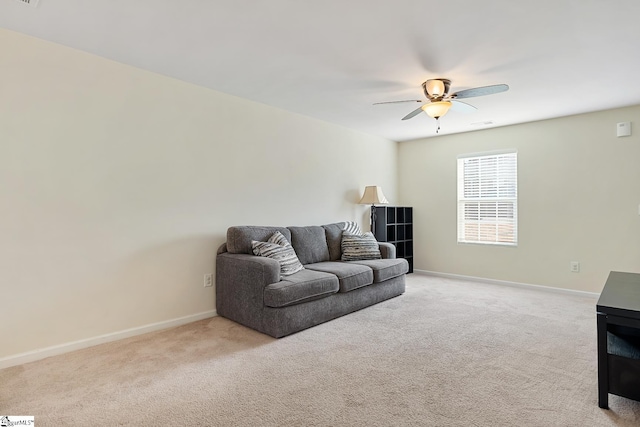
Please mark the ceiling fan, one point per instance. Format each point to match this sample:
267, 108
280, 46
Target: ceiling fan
440, 101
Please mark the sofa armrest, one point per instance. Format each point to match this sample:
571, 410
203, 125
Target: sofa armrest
387, 250
240, 283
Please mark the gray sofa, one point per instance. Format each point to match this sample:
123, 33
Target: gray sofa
251, 291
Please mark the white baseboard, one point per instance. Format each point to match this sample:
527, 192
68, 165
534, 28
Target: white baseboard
507, 283
32, 356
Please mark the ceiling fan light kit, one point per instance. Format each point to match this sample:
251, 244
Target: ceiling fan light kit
436, 109
436, 88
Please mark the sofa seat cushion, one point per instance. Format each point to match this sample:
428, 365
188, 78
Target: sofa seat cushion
350, 276
384, 269
303, 286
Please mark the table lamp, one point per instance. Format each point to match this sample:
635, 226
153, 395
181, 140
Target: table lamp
372, 195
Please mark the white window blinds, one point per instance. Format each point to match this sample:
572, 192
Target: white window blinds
488, 198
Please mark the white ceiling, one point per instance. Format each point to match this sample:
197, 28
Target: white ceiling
332, 59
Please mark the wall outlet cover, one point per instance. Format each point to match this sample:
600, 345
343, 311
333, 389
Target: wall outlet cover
208, 280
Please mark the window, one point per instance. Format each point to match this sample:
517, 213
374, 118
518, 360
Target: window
488, 198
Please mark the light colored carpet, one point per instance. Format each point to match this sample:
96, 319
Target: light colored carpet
446, 353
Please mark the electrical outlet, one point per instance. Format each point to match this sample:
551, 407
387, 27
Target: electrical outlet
32, 3
575, 267
208, 280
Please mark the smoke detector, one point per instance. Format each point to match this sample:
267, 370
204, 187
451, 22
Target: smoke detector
32, 3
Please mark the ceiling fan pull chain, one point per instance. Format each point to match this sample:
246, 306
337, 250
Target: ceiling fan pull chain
438, 123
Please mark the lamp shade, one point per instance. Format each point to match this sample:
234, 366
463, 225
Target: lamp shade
373, 195
436, 109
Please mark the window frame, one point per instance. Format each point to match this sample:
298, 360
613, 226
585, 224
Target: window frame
505, 199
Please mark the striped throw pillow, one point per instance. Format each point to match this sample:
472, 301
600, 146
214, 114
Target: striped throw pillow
279, 248
352, 227
359, 247
279, 239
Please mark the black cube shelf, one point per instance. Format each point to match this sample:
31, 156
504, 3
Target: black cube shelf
394, 224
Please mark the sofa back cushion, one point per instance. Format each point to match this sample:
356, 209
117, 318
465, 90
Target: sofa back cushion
333, 233
239, 238
310, 243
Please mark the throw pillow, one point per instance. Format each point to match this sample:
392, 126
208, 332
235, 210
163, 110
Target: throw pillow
282, 252
352, 227
279, 239
359, 247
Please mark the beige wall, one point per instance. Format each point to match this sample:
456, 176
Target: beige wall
579, 195
118, 185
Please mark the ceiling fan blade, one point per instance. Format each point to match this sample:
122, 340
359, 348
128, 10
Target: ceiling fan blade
480, 91
462, 107
396, 102
413, 113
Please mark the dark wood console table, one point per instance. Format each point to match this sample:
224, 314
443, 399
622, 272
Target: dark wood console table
618, 312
